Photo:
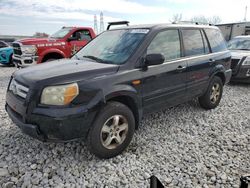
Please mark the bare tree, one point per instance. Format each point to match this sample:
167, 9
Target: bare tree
206, 20
200, 19
215, 20
40, 35
176, 18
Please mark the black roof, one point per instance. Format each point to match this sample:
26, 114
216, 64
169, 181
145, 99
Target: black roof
162, 26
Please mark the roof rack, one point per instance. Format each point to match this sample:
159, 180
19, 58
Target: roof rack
191, 22
117, 23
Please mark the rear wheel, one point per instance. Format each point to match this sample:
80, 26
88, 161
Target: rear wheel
112, 131
212, 97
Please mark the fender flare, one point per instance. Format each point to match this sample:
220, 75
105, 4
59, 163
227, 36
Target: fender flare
52, 50
130, 93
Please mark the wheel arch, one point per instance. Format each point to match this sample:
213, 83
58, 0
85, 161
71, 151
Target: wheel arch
220, 72
128, 99
57, 54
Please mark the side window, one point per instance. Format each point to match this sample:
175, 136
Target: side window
82, 35
167, 43
193, 43
216, 40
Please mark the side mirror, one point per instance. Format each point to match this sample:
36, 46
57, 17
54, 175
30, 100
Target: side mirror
154, 59
71, 39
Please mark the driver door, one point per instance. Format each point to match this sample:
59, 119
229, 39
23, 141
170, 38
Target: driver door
164, 85
81, 38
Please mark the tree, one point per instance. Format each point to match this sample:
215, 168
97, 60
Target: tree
200, 19
206, 20
176, 18
215, 20
40, 35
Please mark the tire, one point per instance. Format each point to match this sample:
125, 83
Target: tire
114, 121
11, 64
212, 97
50, 59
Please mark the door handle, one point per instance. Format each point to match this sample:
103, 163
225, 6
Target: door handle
180, 68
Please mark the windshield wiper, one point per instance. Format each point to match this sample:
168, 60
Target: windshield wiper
97, 59
243, 49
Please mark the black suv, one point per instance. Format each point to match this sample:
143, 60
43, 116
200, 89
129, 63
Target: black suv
103, 91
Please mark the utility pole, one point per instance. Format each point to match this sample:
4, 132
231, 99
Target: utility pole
245, 17
95, 25
101, 23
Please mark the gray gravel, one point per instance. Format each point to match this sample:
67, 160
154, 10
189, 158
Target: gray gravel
184, 146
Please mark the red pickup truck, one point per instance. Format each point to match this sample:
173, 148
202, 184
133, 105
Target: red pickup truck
62, 44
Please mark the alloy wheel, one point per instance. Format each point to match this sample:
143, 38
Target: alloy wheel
215, 93
114, 131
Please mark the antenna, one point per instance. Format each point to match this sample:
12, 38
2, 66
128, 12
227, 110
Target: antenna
95, 24
101, 23
245, 17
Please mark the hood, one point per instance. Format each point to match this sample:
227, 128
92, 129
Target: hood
238, 54
6, 49
63, 71
34, 41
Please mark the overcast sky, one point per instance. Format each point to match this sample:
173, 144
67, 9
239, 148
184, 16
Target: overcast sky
25, 17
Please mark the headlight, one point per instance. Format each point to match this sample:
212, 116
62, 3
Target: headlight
59, 95
247, 61
29, 49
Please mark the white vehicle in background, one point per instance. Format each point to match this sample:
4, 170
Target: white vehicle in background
240, 64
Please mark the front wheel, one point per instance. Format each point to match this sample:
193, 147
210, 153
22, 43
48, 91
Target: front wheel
212, 97
112, 130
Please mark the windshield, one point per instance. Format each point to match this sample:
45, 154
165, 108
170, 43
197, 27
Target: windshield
61, 33
114, 46
239, 44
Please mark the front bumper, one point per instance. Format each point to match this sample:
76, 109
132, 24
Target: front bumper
24, 60
48, 124
243, 75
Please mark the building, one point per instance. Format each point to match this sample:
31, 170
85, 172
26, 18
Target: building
231, 30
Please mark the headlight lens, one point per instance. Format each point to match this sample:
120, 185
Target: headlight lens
59, 95
29, 49
247, 61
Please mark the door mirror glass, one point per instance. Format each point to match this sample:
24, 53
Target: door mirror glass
154, 59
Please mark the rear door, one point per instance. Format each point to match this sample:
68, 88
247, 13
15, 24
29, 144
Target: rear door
165, 84
196, 51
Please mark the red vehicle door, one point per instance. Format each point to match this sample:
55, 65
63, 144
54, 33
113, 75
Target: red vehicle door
78, 39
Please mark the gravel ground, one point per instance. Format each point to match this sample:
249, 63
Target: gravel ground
184, 146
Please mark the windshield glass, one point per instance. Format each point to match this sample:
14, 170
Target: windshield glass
61, 33
239, 44
114, 46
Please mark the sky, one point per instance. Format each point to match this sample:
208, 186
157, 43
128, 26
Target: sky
25, 17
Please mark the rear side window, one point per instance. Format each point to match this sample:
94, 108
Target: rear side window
216, 40
193, 42
166, 43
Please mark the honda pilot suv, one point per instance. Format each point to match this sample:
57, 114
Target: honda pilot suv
103, 91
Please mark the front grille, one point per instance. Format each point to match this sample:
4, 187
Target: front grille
18, 89
234, 63
17, 48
